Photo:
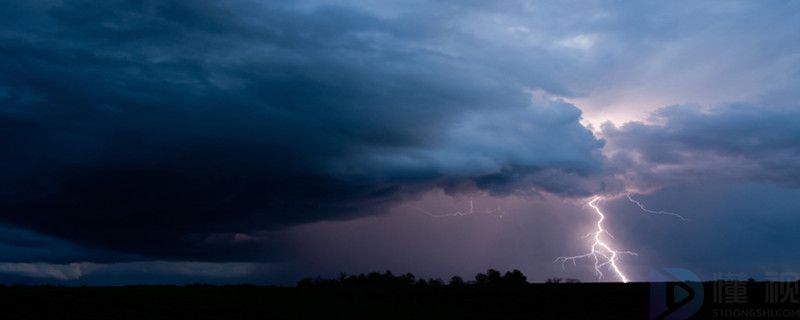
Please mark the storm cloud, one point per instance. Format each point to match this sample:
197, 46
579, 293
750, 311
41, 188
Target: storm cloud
723, 144
179, 141
164, 129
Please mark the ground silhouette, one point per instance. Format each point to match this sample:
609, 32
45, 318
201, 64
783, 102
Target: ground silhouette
388, 279
489, 295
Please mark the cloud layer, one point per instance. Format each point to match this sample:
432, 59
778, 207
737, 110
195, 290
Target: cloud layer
727, 143
164, 129
203, 130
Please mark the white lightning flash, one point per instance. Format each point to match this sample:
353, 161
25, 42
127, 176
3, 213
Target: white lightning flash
472, 210
641, 206
603, 255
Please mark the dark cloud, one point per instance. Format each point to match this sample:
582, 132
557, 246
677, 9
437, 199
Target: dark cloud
171, 129
126, 273
20, 245
733, 142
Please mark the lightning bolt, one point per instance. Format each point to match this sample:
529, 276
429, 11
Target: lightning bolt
472, 210
641, 206
603, 255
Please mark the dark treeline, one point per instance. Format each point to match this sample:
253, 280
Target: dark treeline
492, 277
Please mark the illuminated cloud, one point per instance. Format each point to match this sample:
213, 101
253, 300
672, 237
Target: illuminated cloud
727, 143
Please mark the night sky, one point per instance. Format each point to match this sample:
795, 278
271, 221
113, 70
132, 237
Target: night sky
261, 142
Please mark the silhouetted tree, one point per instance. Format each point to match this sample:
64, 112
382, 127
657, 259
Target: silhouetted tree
456, 281
553, 280
515, 277
407, 279
493, 276
481, 279
435, 282
388, 279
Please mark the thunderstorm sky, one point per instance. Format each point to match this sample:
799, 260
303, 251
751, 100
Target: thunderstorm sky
261, 141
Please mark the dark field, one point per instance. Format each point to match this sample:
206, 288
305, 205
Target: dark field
531, 301
247, 302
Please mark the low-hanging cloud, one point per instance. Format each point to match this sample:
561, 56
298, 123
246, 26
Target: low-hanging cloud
187, 269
